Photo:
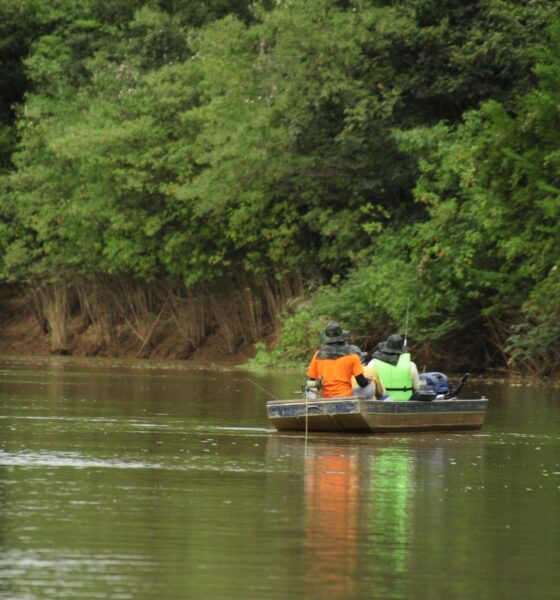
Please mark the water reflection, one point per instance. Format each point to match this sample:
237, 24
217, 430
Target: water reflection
370, 503
332, 487
354, 492
390, 513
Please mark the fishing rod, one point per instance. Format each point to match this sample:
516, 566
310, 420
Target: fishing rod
235, 383
262, 388
406, 323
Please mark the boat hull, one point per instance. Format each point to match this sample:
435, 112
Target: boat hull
374, 416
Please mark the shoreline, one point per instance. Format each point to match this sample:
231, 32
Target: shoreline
131, 361
167, 364
21, 339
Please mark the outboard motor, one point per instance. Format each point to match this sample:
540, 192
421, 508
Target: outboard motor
433, 386
424, 394
435, 381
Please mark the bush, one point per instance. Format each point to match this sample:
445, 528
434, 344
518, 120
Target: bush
534, 346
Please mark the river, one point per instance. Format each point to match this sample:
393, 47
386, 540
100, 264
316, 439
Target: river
147, 480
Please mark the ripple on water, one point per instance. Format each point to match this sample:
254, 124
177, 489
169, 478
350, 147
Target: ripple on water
64, 574
77, 461
67, 459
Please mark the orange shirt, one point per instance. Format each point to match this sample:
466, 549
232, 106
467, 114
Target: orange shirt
336, 374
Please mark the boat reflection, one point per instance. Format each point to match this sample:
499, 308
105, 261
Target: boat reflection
357, 520
369, 503
356, 496
332, 488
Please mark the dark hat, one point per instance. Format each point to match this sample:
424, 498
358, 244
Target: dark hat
356, 350
393, 345
334, 333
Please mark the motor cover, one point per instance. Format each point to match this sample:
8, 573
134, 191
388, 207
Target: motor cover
435, 381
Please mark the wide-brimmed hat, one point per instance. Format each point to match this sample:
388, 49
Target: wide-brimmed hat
393, 345
356, 350
334, 333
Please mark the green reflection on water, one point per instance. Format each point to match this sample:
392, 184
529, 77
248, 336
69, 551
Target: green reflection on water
391, 512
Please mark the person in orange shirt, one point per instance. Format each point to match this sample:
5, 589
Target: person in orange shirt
334, 365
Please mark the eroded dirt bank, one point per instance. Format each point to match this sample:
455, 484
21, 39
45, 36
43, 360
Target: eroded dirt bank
22, 334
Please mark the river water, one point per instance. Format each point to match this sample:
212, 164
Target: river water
145, 480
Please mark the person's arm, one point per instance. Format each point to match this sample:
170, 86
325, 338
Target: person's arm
313, 370
358, 372
376, 380
415, 376
362, 380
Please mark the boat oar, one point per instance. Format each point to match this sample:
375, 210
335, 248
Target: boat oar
461, 383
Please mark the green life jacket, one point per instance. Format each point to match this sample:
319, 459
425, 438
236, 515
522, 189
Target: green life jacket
396, 378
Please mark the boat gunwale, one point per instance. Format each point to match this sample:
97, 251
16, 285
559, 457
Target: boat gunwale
391, 405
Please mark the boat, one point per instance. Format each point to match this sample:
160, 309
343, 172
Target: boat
354, 414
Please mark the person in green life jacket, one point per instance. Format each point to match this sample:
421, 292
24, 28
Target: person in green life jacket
398, 373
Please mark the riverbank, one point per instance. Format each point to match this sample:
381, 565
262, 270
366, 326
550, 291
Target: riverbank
21, 335
122, 317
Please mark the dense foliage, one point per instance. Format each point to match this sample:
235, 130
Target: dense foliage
392, 154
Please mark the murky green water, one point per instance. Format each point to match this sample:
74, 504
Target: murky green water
149, 481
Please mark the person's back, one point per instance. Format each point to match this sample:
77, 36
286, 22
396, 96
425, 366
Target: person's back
396, 369
334, 364
335, 374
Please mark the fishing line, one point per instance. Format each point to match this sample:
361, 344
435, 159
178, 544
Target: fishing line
220, 391
276, 398
306, 423
235, 383
261, 388
269, 393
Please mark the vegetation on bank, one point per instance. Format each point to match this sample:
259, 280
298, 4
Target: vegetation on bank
186, 169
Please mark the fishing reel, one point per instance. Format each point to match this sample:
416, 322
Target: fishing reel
312, 387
